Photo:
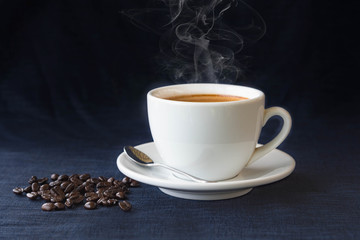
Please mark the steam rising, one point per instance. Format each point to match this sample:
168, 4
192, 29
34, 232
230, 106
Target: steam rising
196, 45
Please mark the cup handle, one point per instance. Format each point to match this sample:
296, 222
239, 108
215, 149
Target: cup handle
263, 150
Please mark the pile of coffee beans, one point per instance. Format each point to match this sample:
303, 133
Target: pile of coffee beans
63, 191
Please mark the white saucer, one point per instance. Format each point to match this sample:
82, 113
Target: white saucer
273, 167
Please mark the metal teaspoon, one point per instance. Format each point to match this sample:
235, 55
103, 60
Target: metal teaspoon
142, 159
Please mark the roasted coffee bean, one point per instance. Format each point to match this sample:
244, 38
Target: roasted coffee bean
69, 203
88, 194
125, 206
69, 187
102, 201
90, 205
58, 191
118, 183
102, 178
91, 196
63, 185
111, 179
27, 189
90, 187
78, 199
63, 177
120, 195
94, 180
54, 176
80, 188
48, 206
44, 187
112, 201
100, 191
35, 187
84, 177
18, 190
32, 179
59, 206
76, 181
32, 195
134, 183
55, 183
74, 176
72, 195
110, 192
103, 184
126, 180
42, 180
56, 198
46, 195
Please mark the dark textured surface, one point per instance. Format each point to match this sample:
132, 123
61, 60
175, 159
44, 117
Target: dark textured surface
73, 80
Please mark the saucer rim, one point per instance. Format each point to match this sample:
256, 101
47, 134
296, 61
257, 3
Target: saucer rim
225, 185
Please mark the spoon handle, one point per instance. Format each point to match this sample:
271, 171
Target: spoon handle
182, 173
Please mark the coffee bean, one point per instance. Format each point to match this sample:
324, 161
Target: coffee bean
69, 187
54, 176
92, 199
84, 177
32, 195
48, 207
134, 183
120, 195
103, 184
102, 178
42, 180
100, 191
91, 196
111, 179
90, 205
32, 179
63, 177
56, 198
74, 176
110, 192
102, 201
55, 183
59, 206
94, 180
46, 195
58, 191
69, 203
72, 195
118, 183
90, 187
78, 199
63, 185
76, 181
112, 201
125, 206
35, 187
18, 190
27, 189
44, 187
126, 180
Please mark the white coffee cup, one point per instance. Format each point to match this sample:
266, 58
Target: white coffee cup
211, 140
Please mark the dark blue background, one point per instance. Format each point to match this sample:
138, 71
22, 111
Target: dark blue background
73, 80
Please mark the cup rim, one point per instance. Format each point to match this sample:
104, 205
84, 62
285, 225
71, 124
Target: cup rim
151, 94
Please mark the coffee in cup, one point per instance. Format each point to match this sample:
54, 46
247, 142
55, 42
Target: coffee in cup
211, 130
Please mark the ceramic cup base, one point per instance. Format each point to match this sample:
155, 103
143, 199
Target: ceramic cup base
206, 195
